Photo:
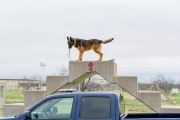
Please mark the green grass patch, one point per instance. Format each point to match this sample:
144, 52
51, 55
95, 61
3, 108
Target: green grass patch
174, 97
14, 96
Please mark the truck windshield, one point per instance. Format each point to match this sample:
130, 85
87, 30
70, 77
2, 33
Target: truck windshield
95, 108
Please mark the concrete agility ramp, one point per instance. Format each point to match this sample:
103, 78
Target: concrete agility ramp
78, 71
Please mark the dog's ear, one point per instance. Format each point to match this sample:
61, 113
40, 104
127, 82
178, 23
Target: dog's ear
67, 38
70, 38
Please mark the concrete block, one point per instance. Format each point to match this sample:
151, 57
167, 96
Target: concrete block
54, 83
31, 97
107, 69
170, 109
12, 109
128, 83
151, 99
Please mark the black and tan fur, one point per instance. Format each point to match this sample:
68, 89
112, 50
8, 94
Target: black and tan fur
85, 45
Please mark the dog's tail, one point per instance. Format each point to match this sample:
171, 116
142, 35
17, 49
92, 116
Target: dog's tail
107, 41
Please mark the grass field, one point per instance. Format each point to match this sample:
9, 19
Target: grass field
18, 97
174, 97
14, 97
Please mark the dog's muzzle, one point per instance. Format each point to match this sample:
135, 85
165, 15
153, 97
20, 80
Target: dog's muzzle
70, 46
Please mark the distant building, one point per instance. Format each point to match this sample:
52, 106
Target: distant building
21, 84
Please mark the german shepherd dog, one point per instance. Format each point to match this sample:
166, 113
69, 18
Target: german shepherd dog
85, 45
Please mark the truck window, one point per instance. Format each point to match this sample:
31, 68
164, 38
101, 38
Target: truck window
95, 108
53, 109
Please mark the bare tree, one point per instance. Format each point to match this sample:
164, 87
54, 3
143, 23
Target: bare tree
164, 83
61, 70
96, 83
84, 84
27, 83
90, 84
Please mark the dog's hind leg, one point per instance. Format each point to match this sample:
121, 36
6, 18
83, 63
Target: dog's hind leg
100, 55
97, 49
81, 56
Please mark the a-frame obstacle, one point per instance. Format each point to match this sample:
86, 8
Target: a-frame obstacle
78, 71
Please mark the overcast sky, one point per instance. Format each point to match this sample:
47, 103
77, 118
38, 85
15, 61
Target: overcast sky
146, 35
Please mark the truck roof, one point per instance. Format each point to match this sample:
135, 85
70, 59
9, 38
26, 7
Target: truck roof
87, 93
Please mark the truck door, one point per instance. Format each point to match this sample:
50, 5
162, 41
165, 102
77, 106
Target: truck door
59, 108
95, 107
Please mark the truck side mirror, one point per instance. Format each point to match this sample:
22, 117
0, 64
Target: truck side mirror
54, 110
27, 115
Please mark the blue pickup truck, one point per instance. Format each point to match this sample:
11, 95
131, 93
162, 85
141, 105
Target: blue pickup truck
85, 106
